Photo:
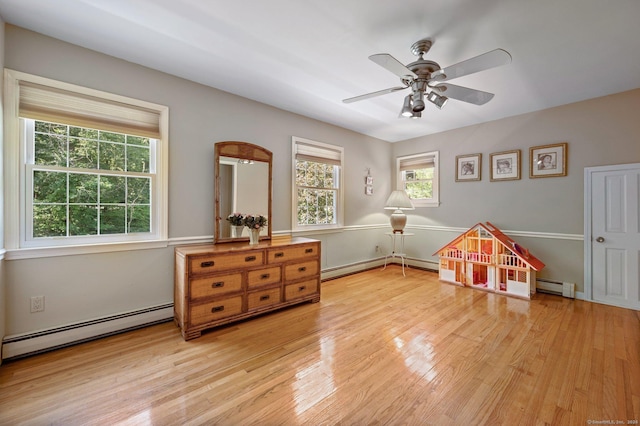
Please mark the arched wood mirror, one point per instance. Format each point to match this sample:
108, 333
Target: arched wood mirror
242, 185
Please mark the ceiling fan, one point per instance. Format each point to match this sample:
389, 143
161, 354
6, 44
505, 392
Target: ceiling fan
427, 78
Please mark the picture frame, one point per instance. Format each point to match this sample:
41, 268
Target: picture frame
505, 165
468, 167
368, 190
548, 160
368, 180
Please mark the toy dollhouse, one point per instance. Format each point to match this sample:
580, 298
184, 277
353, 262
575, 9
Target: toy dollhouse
485, 258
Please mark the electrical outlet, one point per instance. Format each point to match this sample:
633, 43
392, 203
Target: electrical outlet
377, 249
37, 304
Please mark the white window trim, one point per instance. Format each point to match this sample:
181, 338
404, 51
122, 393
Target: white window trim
14, 168
294, 193
435, 201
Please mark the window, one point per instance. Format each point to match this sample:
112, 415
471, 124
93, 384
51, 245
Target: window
91, 166
418, 176
317, 186
86, 181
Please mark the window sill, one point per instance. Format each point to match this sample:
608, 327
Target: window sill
318, 230
418, 204
33, 253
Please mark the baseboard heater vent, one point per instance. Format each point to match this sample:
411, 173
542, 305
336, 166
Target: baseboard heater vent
20, 346
560, 288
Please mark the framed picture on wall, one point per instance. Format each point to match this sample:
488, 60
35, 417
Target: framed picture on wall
548, 160
468, 167
505, 165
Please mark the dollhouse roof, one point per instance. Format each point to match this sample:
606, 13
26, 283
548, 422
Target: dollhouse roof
515, 248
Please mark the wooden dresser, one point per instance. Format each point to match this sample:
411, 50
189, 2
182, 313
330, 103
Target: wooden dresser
217, 284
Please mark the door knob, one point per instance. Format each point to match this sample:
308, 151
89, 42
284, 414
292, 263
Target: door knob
600, 240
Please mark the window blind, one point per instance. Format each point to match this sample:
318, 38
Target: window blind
41, 102
416, 163
318, 154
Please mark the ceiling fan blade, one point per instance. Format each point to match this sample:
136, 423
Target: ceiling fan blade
373, 94
472, 96
488, 60
390, 63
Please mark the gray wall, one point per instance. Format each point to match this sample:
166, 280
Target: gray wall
84, 287
2, 278
547, 214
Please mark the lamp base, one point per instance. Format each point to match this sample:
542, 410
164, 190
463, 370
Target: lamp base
398, 221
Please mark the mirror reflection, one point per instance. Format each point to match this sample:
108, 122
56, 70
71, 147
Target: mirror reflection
242, 187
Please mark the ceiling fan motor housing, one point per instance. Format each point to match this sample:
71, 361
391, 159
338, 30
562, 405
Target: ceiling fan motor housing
423, 69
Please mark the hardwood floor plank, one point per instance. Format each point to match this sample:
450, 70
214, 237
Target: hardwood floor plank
378, 348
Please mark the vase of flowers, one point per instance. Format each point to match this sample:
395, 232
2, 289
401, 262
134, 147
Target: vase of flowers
235, 219
255, 223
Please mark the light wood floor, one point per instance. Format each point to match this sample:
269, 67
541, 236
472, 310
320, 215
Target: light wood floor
377, 349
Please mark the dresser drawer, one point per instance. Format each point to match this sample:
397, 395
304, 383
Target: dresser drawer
209, 264
215, 285
263, 276
305, 288
285, 254
260, 299
207, 312
300, 270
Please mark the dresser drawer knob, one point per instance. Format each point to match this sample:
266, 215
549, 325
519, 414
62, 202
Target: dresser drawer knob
302, 288
265, 297
217, 309
249, 258
218, 284
264, 276
309, 250
279, 254
302, 269
207, 264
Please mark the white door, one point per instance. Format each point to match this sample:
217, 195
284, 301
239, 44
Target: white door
612, 234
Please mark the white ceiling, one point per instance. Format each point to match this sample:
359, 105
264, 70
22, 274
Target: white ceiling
305, 56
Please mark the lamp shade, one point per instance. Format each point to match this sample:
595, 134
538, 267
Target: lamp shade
398, 201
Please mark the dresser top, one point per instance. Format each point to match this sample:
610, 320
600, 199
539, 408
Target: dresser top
241, 246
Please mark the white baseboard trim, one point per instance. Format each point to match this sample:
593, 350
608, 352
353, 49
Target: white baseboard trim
21, 345
352, 268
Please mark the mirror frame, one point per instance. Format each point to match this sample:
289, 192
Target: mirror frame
247, 151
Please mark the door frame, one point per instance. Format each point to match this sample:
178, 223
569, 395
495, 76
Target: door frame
588, 235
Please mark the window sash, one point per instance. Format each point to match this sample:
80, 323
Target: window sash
30, 203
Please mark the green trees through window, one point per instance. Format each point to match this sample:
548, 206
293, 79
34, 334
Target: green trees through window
89, 182
317, 189
418, 183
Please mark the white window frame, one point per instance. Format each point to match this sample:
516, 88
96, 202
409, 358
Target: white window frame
17, 243
433, 156
331, 151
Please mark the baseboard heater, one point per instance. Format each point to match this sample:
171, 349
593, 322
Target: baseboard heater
23, 345
560, 288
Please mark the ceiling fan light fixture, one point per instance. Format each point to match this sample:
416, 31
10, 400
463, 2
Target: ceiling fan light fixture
437, 100
407, 111
417, 102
